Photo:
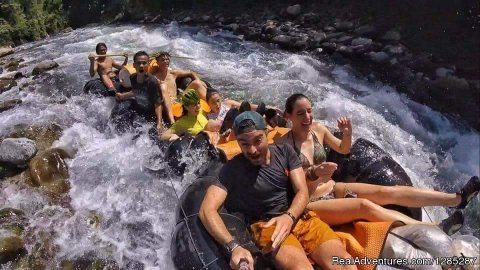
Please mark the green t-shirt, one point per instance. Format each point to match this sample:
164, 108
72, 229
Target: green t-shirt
190, 124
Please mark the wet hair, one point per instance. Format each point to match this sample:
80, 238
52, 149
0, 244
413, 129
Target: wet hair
101, 44
291, 101
138, 54
160, 54
210, 93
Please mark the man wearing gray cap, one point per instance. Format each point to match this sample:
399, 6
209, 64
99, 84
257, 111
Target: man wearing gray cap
267, 184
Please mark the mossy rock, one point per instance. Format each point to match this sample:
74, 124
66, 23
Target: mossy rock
44, 136
6, 85
11, 248
49, 171
12, 66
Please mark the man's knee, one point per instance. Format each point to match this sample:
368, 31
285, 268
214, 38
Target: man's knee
291, 257
325, 253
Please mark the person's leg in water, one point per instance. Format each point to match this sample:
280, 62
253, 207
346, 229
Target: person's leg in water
408, 196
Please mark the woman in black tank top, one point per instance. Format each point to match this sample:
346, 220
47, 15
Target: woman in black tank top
354, 200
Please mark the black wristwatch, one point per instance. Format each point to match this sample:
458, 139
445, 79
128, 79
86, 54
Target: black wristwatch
230, 246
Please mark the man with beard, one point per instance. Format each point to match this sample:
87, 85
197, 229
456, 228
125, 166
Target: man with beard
267, 184
148, 100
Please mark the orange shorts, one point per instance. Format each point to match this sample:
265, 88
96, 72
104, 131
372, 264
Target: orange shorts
308, 234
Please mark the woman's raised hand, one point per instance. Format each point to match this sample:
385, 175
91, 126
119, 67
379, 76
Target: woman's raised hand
345, 125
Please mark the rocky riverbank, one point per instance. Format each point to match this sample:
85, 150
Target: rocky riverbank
409, 47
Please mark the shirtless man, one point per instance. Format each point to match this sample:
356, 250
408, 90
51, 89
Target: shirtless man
167, 77
104, 64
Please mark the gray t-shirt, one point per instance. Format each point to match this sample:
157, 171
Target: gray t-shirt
260, 192
146, 93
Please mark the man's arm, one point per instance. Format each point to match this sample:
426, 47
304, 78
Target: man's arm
167, 101
179, 73
158, 114
93, 65
212, 221
300, 201
209, 216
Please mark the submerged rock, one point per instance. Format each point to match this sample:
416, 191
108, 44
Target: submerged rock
28, 262
44, 66
11, 75
17, 151
9, 104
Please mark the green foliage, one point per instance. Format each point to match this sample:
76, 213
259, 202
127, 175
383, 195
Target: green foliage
28, 20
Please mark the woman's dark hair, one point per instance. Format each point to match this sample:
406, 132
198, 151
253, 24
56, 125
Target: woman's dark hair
101, 44
291, 101
210, 93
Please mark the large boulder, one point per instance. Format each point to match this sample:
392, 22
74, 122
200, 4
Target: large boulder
44, 66
8, 104
11, 248
17, 151
49, 171
5, 51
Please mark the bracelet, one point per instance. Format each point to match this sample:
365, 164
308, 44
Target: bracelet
311, 176
291, 216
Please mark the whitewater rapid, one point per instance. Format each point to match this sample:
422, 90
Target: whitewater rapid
135, 208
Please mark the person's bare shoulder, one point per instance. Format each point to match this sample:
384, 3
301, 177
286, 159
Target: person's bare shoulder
319, 128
